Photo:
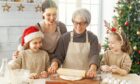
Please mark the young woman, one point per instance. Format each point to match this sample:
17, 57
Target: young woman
50, 27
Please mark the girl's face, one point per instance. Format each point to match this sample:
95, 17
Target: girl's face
35, 44
50, 15
114, 43
79, 25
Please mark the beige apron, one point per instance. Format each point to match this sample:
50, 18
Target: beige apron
77, 54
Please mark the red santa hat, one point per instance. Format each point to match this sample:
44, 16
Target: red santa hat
29, 34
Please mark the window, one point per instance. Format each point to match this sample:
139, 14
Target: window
67, 7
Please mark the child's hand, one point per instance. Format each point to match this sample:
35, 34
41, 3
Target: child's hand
15, 55
105, 68
115, 69
52, 69
43, 74
34, 76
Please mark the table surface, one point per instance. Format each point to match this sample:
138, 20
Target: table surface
133, 77
83, 81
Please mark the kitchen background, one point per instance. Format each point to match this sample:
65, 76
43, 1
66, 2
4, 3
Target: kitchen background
16, 15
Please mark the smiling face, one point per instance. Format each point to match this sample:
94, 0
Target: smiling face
79, 24
35, 44
50, 15
114, 43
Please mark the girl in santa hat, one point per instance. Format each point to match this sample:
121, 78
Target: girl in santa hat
32, 57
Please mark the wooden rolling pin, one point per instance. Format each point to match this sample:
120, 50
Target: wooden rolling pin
71, 72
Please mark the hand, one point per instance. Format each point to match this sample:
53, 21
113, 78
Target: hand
43, 74
91, 73
34, 76
115, 69
15, 55
105, 68
52, 69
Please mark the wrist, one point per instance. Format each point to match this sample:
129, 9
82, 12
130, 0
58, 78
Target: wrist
93, 67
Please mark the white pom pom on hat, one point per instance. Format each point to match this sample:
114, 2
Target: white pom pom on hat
29, 34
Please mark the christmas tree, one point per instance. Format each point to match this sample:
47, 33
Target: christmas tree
128, 18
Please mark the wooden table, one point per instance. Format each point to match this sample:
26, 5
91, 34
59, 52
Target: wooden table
132, 77
83, 81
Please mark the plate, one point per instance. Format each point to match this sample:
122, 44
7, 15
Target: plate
70, 77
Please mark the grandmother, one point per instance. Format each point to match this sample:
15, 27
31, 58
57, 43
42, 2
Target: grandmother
78, 49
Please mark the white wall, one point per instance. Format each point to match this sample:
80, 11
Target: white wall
12, 24
107, 13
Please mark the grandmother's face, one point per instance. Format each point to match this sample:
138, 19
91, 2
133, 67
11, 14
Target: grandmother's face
79, 24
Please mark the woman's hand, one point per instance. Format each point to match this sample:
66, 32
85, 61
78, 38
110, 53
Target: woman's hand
52, 69
91, 73
15, 55
105, 68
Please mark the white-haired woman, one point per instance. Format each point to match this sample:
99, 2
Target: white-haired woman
78, 49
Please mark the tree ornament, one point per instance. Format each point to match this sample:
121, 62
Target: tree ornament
139, 51
114, 21
138, 33
135, 47
135, 19
130, 7
126, 23
6, 7
138, 62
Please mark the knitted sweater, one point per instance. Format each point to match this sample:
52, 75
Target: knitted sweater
122, 60
36, 62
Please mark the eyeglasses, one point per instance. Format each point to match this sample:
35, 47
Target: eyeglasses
79, 23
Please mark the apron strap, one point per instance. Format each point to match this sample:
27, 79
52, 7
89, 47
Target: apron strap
86, 37
71, 36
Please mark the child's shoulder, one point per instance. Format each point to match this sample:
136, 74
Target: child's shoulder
126, 54
44, 52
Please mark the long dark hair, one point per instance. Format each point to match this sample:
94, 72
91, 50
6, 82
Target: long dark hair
48, 4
